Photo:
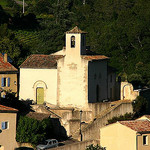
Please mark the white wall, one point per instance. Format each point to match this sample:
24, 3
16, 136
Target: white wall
72, 82
30, 78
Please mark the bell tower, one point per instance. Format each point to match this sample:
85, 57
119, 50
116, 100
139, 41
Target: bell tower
75, 42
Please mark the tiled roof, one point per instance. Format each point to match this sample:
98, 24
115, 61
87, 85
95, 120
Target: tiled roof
41, 61
76, 30
137, 125
148, 116
38, 116
94, 57
6, 109
6, 66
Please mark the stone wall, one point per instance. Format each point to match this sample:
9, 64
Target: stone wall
92, 130
127, 91
77, 146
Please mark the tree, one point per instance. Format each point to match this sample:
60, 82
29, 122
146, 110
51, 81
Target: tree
29, 131
140, 106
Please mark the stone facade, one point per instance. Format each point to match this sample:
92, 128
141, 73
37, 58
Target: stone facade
72, 77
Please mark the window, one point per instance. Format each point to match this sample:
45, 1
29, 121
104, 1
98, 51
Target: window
4, 125
145, 140
72, 41
5, 82
97, 93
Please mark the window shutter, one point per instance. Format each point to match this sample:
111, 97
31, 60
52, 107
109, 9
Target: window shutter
8, 82
2, 84
3, 125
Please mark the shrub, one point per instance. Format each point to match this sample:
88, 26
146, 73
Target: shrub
127, 116
95, 147
29, 130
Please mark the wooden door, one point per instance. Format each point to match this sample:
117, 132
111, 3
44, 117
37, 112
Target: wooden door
40, 95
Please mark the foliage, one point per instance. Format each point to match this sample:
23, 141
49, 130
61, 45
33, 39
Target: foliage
140, 106
95, 147
127, 116
135, 79
118, 29
29, 131
33, 131
11, 100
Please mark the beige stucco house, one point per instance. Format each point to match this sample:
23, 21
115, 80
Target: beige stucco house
7, 128
8, 76
126, 135
72, 77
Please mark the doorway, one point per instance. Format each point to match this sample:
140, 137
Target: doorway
40, 95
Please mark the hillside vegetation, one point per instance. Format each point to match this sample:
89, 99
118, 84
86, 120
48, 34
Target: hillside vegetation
119, 29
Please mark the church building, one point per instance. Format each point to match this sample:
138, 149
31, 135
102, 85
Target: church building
72, 77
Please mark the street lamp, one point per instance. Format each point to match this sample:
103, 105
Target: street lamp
80, 124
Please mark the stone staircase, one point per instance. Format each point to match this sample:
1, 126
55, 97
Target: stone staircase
92, 130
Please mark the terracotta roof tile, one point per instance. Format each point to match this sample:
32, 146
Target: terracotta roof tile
38, 116
148, 116
94, 57
6, 66
41, 61
7, 109
137, 125
76, 30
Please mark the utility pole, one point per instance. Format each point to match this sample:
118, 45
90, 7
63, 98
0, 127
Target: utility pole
83, 2
23, 7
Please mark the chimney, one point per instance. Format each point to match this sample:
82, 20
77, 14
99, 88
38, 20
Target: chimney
5, 57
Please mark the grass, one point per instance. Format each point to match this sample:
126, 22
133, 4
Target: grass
27, 37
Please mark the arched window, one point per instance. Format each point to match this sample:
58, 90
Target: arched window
72, 41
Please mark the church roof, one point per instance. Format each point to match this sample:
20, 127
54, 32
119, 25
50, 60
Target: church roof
76, 30
137, 125
94, 57
41, 61
6, 66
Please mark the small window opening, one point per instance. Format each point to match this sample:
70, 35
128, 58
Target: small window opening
72, 41
145, 140
97, 93
4, 125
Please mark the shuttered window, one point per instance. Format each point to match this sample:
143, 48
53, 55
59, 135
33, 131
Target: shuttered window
8, 82
5, 82
4, 125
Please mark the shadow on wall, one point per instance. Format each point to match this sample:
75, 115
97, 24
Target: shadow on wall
58, 130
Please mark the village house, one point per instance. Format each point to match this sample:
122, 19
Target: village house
8, 117
126, 135
144, 117
8, 76
72, 77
